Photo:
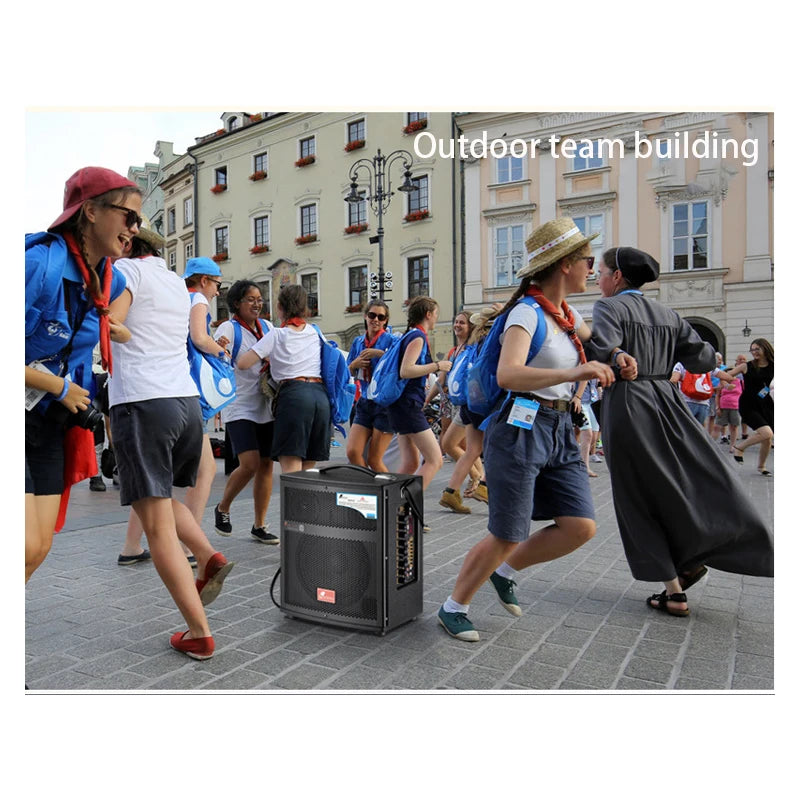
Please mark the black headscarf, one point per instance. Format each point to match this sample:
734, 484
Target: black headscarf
636, 266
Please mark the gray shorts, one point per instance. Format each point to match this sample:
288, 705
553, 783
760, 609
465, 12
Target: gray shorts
157, 444
533, 475
728, 416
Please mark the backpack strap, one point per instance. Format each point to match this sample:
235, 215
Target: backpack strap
237, 340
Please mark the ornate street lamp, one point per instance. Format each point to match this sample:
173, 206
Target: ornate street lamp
746, 330
379, 195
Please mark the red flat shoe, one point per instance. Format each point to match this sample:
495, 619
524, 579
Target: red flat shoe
209, 586
198, 649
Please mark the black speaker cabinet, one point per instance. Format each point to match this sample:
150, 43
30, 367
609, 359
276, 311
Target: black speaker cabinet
351, 547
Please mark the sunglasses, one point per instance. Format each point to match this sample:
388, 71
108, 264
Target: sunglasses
219, 283
589, 261
131, 217
373, 315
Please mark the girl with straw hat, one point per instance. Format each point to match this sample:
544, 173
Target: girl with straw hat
533, 466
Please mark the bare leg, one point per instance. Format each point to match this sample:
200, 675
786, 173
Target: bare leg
553, 541
480, 562
356, 442
197, 496
159, 522
378, 444
426, 443
41, 512
409, 455
470, 458
585, 441
262, 490
239, 478
291, 464
133, 536
673, 586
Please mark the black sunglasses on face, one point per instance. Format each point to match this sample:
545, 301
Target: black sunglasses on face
131, 217
373, 315
219, 283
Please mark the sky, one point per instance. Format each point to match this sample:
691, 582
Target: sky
59, 142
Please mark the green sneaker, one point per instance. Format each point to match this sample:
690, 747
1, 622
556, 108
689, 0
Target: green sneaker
505, 592
458, 626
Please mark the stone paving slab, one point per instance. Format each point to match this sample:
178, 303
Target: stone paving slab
92, 625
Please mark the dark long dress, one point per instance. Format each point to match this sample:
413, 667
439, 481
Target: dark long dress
757, 411
679, 503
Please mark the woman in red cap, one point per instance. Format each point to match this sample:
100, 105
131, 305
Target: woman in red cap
69, 283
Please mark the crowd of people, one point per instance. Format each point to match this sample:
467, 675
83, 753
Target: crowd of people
640, 378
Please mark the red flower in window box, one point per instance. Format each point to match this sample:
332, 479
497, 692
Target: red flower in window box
220, 132
220, 256
304, 162
259, 248
311, 237
416, 216
356, 144
416, 125
217, 188
255, 118
258, 175
356, 228
356, 309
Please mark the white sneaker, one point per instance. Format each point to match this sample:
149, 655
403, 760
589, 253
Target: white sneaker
594, 457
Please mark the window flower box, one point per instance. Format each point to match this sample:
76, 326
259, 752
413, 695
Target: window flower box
304, 162
258, 175
356, 228
219, 132
223, 256
255, 118
311, 237
259, 248
218, 188
356, 309
416, 125
356, 144
416, 216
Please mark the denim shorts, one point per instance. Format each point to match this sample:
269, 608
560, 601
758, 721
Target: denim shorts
302, 422
44, 455
248, 435
405, 416
371, 415
533, 475
157, 444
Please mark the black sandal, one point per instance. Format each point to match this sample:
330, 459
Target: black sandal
740, 458
662, 600
764, 471
687, 579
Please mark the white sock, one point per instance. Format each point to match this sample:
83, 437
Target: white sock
504, 571
451, 607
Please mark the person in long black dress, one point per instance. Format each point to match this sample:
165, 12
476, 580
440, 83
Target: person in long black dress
755, 402
679, 503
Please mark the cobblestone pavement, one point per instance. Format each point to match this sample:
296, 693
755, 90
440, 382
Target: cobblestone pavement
92, 625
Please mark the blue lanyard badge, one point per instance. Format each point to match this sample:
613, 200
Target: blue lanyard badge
523, 413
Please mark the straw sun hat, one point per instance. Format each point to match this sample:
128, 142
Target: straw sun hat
149, 235
551, 242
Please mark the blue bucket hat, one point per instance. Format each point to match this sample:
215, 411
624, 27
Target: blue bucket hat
202, 265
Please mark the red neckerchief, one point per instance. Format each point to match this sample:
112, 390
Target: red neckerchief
257, 332
101, 303
564, 318
367, 345
296, 321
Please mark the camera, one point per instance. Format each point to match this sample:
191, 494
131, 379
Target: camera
90, 418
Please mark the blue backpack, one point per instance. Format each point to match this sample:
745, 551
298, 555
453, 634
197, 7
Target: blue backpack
336, 377
214, 377
457, 377
483, 393
386, 385
237, 337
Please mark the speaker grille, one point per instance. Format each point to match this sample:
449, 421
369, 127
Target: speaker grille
319, 508
343, 566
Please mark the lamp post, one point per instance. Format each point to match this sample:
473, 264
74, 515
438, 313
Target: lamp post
379, 195
746, 330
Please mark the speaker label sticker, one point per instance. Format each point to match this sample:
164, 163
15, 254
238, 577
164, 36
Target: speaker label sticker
365, 504
326, 595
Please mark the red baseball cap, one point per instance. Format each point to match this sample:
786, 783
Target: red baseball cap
87, 183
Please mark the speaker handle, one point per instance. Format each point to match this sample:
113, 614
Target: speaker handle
349, 466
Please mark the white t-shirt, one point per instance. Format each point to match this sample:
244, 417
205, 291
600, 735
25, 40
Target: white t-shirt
250, 403
558, 351
291, 353
153, 363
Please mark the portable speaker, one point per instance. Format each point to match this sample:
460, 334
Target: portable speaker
351, 549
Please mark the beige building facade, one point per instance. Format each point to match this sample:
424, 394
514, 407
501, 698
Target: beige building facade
269, 195
693, 189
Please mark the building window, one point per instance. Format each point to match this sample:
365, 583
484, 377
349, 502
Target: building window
266, 293
171, 220
308, 220
690, 236
587, 156
591, 224
417, 116
418, 201
357, 212
189, 251
356, 131
172, 259
188, 211
260, 163
220, 240
311, 284
261, 232
358, 286
509, 252
221, 176
308, 147
509, 168
418, 282
233, 124
222, 304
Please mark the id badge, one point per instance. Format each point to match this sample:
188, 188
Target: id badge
764, 392
33, 396
523, 413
